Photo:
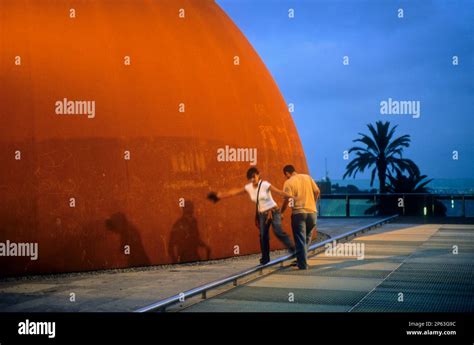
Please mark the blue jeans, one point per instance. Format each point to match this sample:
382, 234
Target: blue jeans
302, 225
277, 230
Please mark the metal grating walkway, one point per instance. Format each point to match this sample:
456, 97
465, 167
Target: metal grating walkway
405, 268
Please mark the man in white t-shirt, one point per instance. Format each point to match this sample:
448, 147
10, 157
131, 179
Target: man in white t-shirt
267, 211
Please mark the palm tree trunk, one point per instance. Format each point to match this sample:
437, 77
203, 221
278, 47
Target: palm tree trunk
382, 174
383, 202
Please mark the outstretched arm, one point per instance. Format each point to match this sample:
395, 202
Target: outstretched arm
284, 206
230, 193
280, 192
286, 200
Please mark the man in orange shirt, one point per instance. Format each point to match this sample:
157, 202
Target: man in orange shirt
303, 218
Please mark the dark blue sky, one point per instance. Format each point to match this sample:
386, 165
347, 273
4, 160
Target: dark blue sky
402, 59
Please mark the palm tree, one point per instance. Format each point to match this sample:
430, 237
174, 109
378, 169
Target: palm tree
382, 153
416, 195
412, 183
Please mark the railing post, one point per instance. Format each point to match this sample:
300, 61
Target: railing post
375, 203
424, 205
348, 210
403, 197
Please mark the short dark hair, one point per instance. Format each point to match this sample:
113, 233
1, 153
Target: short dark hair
290, 169
252, 171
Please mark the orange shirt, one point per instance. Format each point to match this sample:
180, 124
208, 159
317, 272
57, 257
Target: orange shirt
302, 187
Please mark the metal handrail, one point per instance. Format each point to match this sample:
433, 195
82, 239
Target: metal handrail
429, 201
163, 304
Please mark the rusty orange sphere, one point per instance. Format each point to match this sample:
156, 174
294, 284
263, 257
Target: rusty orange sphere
105, 189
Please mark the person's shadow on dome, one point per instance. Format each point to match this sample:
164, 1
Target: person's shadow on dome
129, 236
185, 243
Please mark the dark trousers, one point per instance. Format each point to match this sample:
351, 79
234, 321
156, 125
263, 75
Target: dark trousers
277, 230
302, 225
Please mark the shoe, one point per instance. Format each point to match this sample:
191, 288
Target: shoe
294, 263
264, 262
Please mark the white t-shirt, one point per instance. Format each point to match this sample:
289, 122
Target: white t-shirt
265, 200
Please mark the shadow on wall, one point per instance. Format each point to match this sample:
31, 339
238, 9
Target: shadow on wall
129, 236
185, 243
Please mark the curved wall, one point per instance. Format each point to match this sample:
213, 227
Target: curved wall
173, 154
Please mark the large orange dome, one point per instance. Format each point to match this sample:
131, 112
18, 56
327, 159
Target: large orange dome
171, 82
